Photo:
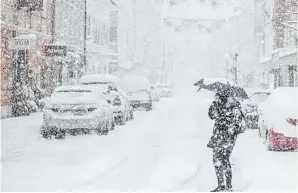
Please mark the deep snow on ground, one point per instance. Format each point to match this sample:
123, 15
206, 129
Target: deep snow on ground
161, 150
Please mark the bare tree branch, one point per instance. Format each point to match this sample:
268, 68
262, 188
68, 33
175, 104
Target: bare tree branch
279, 22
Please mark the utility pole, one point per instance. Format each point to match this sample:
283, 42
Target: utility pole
85, 34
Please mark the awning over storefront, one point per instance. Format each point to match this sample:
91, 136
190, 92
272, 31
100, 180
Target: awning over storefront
265, 60
288, 60
284, 57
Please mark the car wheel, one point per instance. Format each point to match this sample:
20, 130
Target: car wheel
112, 125
46, 133
149, 107
73, 132
102, 129
86, 131
120, 120
60, 134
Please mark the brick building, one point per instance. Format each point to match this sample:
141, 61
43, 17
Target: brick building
19, 20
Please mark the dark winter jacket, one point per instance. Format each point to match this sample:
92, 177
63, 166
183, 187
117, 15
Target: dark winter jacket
228, 118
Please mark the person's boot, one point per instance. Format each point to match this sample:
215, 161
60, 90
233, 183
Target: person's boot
229, 189
220, 188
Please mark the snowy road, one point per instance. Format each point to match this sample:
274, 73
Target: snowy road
161, 150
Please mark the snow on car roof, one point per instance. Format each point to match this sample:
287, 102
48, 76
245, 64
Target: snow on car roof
285, 98
251, 91
74, 88
99, 78
79, 94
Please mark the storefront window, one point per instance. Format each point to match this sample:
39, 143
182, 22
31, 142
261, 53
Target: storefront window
292, 76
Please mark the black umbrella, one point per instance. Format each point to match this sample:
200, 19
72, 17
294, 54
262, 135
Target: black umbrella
237, 91
216, 86
234, 91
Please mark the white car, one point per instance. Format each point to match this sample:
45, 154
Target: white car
164, 90
250, 108
140, 99
109, 85
154, 94
278, 119
73, 108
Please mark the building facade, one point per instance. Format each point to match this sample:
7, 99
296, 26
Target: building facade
141, 38
69, 31
278, 51
21, 23
98, 35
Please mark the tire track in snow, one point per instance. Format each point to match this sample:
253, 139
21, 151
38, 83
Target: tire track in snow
187, 180
107, 171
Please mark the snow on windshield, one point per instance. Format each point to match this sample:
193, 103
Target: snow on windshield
73, 93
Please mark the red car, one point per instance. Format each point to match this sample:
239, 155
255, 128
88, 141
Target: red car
278, 119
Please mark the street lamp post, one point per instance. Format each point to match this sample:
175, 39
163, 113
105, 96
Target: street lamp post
85, 34
236, 67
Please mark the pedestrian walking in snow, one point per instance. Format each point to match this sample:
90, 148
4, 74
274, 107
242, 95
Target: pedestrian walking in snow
226, 111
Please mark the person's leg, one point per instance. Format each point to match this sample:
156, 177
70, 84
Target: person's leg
228, 168
219, 170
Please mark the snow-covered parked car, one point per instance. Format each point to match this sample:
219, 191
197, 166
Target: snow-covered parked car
109, 85
137, 88
140, 99
251, 108
164, 90
278, 119
74, 108
105, 83
154, 94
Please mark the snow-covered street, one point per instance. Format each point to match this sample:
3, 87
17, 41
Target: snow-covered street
162, 150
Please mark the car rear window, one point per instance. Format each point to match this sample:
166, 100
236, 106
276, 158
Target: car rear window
73, 93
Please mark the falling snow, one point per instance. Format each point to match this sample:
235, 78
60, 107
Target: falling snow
162, 95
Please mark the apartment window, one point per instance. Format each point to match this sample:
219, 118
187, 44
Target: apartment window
103, 29
95, 33
292, 76
98, 33
113, 34
14, 33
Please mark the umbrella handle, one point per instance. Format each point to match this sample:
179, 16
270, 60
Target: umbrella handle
199, 89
